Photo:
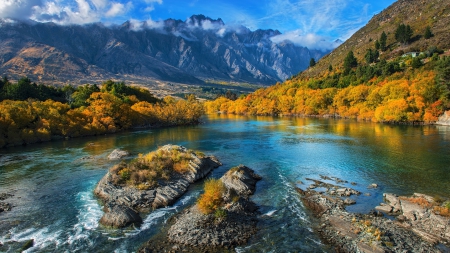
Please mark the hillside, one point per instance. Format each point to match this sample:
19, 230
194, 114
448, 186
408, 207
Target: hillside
193, 51
417, 13
406, 81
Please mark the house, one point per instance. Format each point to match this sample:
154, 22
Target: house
412, 54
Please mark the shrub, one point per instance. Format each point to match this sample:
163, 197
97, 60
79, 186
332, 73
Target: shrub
442, 210
125, 174
220, 214
212, 198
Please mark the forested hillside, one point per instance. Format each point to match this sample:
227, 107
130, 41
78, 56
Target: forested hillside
389, 71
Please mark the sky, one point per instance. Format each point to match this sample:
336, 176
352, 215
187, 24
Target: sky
303, 22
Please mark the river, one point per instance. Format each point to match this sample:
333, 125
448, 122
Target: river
53, 182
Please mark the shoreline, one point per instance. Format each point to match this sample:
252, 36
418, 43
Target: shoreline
399, 223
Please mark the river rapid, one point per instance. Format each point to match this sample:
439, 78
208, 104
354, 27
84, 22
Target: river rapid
53, 182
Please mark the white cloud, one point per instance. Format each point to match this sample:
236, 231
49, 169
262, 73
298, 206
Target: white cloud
67, 11
118, 9
17, 9
137, 25
309, 40
151, 5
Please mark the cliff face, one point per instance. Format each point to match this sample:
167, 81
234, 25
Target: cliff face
187, 52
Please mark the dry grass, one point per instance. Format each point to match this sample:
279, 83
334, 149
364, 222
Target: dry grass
420, 201
145, 171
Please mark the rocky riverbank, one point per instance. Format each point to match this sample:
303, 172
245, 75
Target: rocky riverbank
418, 224
193, 231
123, 202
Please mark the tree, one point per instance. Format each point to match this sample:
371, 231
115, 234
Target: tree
377, 45
383, 40
350, 62
416, 63
312, 62
330, 68
403, 33
428, 34
371, 56
443, 77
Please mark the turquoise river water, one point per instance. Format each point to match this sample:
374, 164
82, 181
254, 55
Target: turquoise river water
53, 182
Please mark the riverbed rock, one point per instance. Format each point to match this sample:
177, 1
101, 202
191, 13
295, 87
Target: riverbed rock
241, 179
117, 154
417, 228
164, 194
4, 206
119, 216
194, 231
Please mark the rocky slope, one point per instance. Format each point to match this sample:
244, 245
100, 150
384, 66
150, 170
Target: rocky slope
416, 228
197, 49
193, 231
122, 204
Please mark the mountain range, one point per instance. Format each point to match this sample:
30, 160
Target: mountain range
193, 51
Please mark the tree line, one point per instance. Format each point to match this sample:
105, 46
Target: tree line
392, 91
27, 117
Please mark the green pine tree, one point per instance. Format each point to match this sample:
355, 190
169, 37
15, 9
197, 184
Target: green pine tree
428, 34
383, 41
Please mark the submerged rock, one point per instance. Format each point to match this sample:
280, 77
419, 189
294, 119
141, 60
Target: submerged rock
3, 205
118, 196
194, 231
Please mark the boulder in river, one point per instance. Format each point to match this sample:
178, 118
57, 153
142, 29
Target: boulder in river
117, 154
151, 181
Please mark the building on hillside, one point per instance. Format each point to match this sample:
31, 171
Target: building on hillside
412, 54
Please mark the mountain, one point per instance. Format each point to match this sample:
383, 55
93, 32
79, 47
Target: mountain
405, 81
192, 51
417, 13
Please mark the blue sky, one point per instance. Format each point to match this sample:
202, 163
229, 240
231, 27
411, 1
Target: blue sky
297, 19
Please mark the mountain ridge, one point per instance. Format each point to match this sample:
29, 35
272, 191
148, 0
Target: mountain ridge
190, 51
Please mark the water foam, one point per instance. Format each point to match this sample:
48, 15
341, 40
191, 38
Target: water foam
42, 238
88, 216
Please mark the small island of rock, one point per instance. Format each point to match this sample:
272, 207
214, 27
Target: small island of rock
148, 182
222, 219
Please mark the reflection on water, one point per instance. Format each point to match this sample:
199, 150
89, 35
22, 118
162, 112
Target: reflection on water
53, 182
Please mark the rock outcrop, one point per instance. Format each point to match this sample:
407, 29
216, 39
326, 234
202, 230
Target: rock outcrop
416, 229
193, 231
123, 203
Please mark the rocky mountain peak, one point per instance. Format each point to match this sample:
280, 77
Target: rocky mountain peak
191, 51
